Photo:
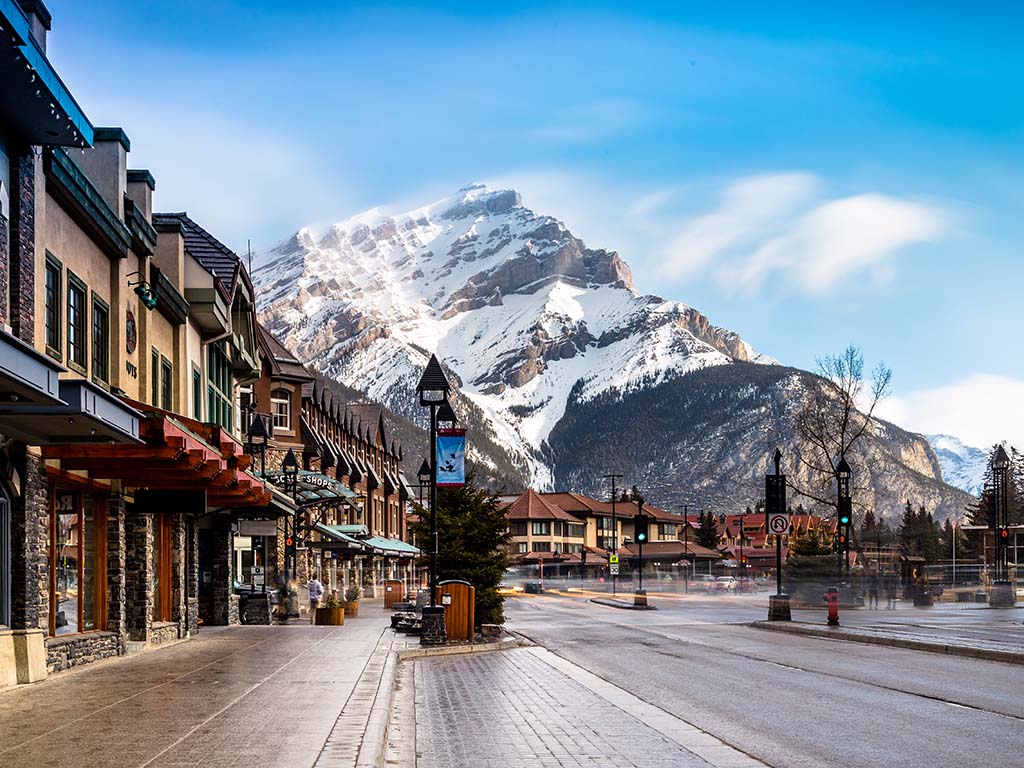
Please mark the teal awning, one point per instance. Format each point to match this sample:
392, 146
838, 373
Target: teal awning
335, 537
313, 488
392, 547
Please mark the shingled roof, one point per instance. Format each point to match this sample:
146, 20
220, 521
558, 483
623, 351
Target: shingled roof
532, 506
283, 364
215, 257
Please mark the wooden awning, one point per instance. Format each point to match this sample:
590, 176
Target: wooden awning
178, 454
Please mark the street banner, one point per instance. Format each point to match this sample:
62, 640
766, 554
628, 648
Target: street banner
451, 458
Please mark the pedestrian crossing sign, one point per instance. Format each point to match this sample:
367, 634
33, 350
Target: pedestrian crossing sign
613, 559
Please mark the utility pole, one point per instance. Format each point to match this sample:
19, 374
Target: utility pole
686, 549
615, 526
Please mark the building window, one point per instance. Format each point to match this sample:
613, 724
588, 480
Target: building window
166, 378
52, 308
281, 408
522, 548
667, 530
519, 529
100, 340
78, 539
219, 390
197, 396
76, 323
154, 378
160, 568
541, 529
558, 529
542, 546
5, 559
574, 531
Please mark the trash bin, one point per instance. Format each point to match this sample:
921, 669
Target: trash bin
458, 598
394, 592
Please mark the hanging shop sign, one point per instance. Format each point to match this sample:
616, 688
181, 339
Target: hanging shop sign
451, 458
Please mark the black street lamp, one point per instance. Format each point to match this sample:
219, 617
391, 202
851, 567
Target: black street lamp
688, 559
844, 509
433, 389
258, 439
423, 475
615, 530
1003, 594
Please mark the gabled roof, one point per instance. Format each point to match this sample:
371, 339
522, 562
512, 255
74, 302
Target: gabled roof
283, 364
532, 506
370, 418
215, 257
579, 504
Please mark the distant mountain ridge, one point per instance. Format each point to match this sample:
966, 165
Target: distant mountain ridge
532, 326
963, 466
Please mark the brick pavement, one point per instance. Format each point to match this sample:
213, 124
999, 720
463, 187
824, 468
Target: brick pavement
511, 708
267, 696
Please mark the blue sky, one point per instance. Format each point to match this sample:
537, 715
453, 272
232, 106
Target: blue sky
807, 176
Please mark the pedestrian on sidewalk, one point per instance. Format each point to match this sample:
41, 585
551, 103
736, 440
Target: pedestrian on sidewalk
316, 591
890, 591
874, 586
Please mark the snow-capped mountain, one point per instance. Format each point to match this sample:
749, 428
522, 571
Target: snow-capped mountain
963, 466
522, 312
562, 370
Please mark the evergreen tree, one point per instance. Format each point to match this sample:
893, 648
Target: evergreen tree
473, 536
909, 540
810, 559
707, 536
928, 533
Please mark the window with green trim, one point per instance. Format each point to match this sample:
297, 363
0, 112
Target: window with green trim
52, 304
166, 377
220, 385
197, 396
154, 378
100, 340
77, 292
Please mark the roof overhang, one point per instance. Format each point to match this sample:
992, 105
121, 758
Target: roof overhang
209, 310
34, 103
27, 377
86, 414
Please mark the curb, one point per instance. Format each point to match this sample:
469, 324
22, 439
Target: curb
371, 750
455, 650
622, 604
950, 649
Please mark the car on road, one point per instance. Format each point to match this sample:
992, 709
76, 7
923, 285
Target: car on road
725, 584
746, 586
702, 582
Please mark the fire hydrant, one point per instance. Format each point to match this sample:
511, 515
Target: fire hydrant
832, 598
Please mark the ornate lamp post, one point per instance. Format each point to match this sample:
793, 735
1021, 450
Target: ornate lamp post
290, 476
433, 389
258, 439
1003, 593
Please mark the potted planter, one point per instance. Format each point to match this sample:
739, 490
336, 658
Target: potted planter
351, 603
331, 613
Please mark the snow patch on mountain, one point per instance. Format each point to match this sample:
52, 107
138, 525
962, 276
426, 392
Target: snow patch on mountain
524, 314
963, 466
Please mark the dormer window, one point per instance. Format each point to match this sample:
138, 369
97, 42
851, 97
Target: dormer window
281, 408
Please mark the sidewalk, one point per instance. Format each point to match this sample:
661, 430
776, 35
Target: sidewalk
528, 707
290, 696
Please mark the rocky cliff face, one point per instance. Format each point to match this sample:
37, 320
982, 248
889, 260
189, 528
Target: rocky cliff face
537, 331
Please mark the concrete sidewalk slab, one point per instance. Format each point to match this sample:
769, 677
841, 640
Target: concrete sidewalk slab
894, 638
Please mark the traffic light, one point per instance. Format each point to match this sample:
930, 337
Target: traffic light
845, 507
743, 560
640, 528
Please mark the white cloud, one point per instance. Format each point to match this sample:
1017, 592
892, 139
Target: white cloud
751, 209
780, 225
981, 410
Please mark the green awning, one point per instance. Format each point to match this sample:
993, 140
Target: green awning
392, 547
313, 488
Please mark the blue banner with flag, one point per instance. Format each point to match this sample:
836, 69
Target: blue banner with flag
451, 458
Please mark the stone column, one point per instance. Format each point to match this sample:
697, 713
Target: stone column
22, 259
116, 570
5, 254
225, 604
30, 546
192, 564
138, 563
179, 574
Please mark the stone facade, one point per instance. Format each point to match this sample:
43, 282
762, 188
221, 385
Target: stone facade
139, 574
116, 569
163, 632
29, 547
64, 653
23, 232
224, 607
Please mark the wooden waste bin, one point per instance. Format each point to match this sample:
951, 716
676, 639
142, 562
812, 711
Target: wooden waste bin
458, 599
394, 592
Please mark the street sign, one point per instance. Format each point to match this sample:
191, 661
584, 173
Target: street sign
778, 523
613, 559
614, 569
257, 575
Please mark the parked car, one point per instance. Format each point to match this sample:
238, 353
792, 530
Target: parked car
725, 584
702, 582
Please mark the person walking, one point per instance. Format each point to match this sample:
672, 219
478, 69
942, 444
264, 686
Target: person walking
874, 585
890, 591
316, 591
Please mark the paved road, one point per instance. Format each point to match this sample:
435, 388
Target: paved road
245, 696
790, 700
